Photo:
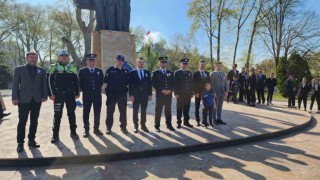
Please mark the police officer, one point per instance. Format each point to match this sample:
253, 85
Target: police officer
91, 81
117, 80
162, 81
183, 90
140, 91
63, 89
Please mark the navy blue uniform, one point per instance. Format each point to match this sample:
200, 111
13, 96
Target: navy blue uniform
117, 81
290, 87
271, 84
208, 103
163, 80
183, 87
91, 81
261, 84
140, 88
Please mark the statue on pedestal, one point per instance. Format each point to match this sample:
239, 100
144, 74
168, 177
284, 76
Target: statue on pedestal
111, 15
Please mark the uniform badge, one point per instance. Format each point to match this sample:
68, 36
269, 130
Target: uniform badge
98, 73
146, 75
168, 75
39, 71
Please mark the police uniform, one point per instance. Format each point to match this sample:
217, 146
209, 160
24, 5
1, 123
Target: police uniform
140, 88
117, 81
162, 79
64, 85
183, 87
91, 81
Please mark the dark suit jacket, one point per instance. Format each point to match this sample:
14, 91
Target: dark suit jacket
140, 89
24, 89
271, 84
162, 81
199, 83
261, 82
231, 74
252, 82
91, 84
303, 91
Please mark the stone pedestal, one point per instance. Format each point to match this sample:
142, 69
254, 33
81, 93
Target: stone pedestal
108, 44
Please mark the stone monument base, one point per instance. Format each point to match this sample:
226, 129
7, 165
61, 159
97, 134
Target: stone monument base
108, 44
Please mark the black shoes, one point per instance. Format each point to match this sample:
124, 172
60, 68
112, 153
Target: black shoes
144, 128
4, 115
136, 130
188, 125
97, 132
33, 144
179, 126
108, 131
55, 139
198, 124
86, 134
20, 148
74, 135
124, 131
158, 129
221, 122
171, 128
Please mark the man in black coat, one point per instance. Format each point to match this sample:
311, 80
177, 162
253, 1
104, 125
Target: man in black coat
290, 91
117, 80
140, 91
231, 74
261, 84
91, 81
200, 77
163, 82
241, 85
303, 90
252, 82
28, 92
271, 83
183, 90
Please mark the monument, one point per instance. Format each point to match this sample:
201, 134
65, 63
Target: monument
111, 36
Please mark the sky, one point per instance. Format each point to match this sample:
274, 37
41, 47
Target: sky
165, 18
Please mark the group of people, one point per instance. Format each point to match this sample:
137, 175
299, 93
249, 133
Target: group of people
62, 83
247, 84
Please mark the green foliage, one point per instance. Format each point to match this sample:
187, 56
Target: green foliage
282, 75
5, 71
299, 67
267, 66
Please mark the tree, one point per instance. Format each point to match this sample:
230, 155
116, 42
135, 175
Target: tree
243, 11
268, 66
298, 67
282, 75
5, 25
6, 72
209, 15
313, 60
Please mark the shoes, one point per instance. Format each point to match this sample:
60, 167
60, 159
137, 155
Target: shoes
4, 115
20, 148
124, 131
198, 124
144, 128
86, 134
97, 132
216, 123
179, 126
158, 129
221, 122
136, 130
55, 139
188, 125
171, 128
33, 144
74, 135
108, 131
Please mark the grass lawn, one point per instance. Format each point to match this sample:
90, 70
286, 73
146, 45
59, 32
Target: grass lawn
278, 97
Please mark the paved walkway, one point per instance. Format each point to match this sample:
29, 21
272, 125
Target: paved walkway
243, 121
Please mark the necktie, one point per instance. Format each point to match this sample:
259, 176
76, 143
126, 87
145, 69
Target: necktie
141, 74
92, 71
164, 72
202, 75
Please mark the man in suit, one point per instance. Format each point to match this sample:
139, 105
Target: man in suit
290, 91
28, 92
200, 77
163, 82
140, 91
63, 90
117, 80
241, 85
91, 81
231, 74
183, 91
303, 90
261, 84
220, 89
271, 84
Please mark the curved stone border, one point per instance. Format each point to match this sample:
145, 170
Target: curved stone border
102, 158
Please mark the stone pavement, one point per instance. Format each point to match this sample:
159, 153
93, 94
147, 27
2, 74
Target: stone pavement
243, 121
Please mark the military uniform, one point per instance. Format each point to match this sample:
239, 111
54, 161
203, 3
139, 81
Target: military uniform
64, 85
91, 81
162, 79
183, 87
117, 81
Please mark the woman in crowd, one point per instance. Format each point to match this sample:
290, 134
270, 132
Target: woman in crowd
315, 93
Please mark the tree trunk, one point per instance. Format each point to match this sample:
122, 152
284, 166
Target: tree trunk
236, 46
72, 51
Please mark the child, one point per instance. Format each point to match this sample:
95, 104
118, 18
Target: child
234, 88
208, 104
